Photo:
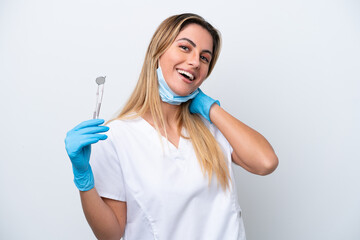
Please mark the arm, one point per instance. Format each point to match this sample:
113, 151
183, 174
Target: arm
250, 149
106, 217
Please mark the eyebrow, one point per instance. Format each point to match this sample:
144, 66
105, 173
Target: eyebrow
194, 45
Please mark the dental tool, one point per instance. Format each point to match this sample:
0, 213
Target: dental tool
99, 95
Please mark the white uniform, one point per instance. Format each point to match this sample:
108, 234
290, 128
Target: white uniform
167, 196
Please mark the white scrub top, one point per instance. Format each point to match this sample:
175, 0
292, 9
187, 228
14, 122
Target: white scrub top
167, 195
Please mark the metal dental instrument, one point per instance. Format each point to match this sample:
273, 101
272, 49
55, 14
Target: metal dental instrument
99, 95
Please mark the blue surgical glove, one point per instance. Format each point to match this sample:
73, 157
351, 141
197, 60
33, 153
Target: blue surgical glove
201, 104
78, 146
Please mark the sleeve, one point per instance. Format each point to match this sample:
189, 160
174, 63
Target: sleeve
106, 167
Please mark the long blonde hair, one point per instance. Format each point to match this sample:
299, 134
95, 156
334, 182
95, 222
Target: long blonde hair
145, 97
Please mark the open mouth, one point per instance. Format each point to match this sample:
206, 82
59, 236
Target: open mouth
186, 74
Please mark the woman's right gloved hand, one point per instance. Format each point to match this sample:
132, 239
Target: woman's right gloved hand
78, 146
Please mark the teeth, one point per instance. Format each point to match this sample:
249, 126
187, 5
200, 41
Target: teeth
191, 77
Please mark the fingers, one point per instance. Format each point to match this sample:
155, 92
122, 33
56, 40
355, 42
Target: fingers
91, 130
89, 123
84, 134
75, 143
91, 139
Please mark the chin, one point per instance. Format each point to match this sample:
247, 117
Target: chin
182, 92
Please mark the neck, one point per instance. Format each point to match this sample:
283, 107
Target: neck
169, 112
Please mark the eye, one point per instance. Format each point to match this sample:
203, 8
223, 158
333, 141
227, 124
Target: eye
184, 48
204, 58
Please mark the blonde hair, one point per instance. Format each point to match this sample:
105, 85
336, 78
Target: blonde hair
145, 97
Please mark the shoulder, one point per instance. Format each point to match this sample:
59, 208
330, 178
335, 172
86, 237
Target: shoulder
123, 125
118, 137
122, 130
212, 128
219, 137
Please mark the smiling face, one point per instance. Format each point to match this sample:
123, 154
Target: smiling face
185, 63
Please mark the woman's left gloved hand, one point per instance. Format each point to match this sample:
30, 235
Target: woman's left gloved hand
201, 104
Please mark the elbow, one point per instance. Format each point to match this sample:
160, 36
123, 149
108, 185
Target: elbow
107, 237
109, 234
269, 165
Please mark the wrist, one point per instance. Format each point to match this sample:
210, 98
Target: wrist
214, 109
84, 180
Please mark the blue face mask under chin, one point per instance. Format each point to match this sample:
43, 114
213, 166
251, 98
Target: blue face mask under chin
169, 96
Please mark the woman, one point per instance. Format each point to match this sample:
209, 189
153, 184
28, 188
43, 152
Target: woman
164, 170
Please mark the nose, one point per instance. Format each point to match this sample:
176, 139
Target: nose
194, 59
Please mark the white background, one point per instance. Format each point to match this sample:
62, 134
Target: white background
289, 69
